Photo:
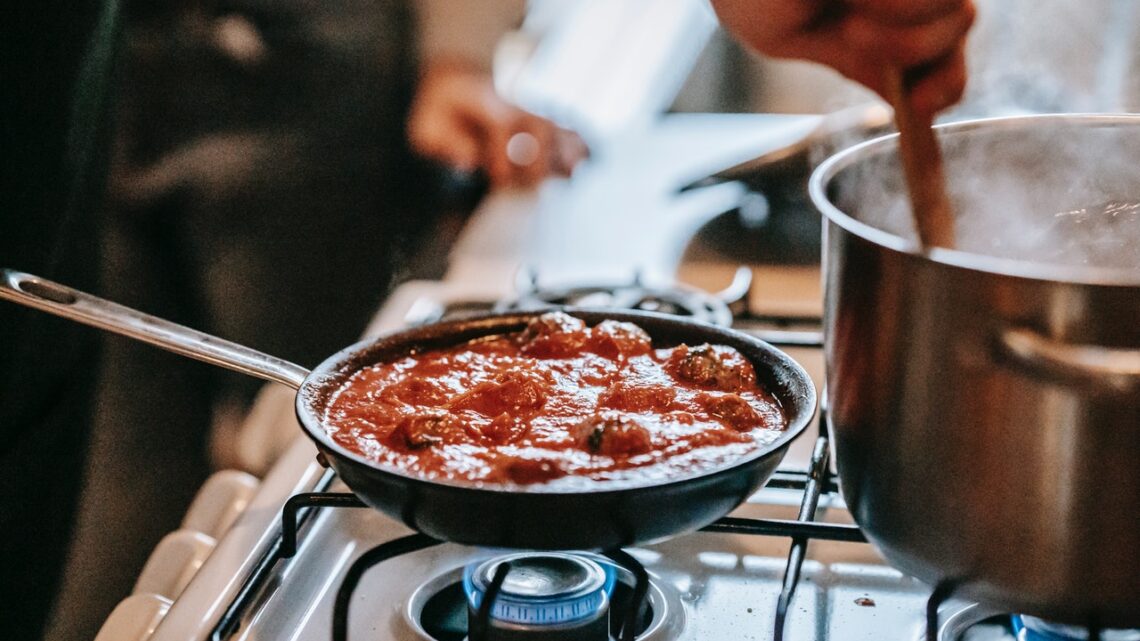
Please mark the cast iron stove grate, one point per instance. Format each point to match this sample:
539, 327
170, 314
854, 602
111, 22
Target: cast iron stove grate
813, 483
300, 509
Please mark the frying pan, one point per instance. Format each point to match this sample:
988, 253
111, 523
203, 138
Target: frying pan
537, 517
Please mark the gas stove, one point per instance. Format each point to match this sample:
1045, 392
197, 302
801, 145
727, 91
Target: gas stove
306, 559
292, 555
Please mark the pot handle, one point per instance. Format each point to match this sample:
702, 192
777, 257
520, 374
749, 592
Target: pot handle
59, 300
1116, 366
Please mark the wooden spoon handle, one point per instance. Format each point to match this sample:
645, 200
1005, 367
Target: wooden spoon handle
922, 166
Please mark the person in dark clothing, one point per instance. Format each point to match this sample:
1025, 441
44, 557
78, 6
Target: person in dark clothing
261, 186
51, 182
256, 192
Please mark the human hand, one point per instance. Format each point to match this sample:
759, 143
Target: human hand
865, 40
458, 119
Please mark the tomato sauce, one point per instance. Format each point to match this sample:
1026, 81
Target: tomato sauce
558, 403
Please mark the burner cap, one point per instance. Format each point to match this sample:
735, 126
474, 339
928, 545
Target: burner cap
545, 576
542, 589
441, 609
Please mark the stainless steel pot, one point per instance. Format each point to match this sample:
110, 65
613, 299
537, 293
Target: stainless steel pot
985, 402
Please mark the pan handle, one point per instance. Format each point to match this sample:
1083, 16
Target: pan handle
59, 300
1116, 366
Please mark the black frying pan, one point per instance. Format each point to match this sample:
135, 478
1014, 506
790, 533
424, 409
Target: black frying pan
616, 514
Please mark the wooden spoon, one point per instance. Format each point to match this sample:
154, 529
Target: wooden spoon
922, 166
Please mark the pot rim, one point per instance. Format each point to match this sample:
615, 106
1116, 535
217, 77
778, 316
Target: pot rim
1074, 274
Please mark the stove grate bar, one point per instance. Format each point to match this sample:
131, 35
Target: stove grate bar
820, 461
297, 502
798, 480
943, 591
743, 321
259, 576
787, 338
640, 596
782, 527
481, 624
379, 554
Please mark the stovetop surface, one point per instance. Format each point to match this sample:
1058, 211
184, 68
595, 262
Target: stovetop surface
726, 585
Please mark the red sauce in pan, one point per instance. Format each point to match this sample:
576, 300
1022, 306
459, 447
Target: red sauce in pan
558, 403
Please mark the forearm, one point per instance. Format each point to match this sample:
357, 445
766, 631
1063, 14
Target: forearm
465, 31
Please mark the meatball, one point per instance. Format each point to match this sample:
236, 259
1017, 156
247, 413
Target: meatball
613, 435
511, 392
504, 428
711, 365
615, 339
427, 428
638, 397
554, 335
525, 471
416, 391
732, 410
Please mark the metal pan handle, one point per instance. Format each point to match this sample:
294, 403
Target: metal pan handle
59, 300
1119, 367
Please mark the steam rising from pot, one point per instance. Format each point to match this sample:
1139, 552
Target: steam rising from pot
1050, 191
1051, 56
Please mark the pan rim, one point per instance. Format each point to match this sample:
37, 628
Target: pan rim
334, 366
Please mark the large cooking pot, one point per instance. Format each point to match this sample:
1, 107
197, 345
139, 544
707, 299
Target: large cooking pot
985, 401
615, 514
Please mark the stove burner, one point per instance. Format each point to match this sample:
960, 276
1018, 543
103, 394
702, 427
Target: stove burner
677, 299
974, 622
539, 596
441, 609
1027, 628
